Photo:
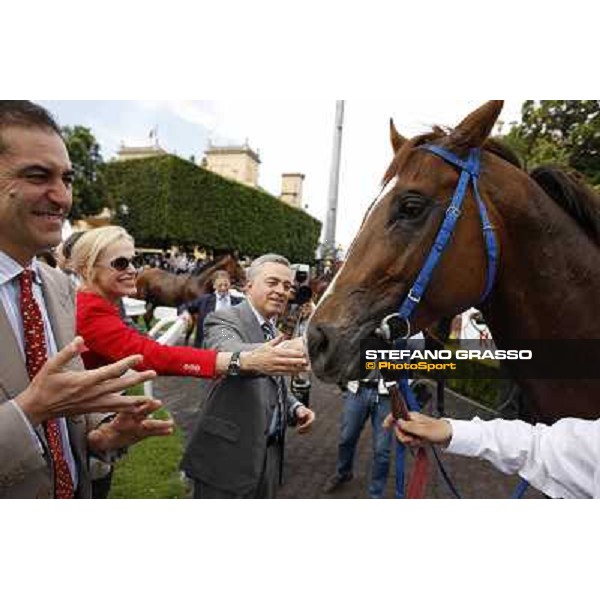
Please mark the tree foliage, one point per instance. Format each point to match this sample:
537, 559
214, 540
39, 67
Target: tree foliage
89, 189
565, 132
165, 200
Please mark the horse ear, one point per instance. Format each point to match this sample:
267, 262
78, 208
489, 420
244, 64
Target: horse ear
396, 139
474, 129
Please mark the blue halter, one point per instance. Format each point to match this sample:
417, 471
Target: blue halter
469, 174
470, 169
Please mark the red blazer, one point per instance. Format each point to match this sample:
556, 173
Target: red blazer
108, 340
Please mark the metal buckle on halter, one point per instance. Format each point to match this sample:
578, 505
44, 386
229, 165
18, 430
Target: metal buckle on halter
384, 330
453, 210
412, 297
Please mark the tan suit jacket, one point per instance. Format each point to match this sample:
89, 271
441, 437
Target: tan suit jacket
24, 471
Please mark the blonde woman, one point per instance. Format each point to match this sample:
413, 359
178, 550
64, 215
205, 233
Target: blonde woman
103, 260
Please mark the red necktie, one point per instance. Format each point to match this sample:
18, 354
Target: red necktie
36, 354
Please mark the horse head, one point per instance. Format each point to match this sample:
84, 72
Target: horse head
394, 241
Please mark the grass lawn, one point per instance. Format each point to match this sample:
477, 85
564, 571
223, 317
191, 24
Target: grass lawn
151, 468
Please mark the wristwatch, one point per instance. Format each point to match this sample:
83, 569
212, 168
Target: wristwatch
234, 364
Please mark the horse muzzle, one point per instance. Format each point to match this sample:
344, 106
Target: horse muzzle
334, 353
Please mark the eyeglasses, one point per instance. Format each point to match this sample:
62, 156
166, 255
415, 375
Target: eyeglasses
121, 263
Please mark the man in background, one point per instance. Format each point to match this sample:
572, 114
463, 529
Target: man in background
220, 299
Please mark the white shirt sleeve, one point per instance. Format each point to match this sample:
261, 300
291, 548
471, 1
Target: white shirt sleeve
562, 460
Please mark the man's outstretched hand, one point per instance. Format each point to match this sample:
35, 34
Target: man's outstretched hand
55, 392
276, 357
128, 428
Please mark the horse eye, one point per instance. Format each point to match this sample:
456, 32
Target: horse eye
410, 207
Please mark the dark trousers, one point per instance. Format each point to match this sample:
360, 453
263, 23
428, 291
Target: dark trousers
101, 487
266, 488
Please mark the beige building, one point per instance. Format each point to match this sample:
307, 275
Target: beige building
291, 189
133, 152
239, 163
103, 218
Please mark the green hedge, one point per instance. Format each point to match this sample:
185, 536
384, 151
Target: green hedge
481, 384
484, 386
170, 200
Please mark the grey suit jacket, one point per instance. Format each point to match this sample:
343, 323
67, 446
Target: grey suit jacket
227, 448
24, 471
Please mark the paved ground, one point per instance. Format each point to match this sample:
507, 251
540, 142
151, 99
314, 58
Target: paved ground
310, 458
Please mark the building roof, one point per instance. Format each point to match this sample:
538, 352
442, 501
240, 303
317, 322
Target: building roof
244, 149
150, 149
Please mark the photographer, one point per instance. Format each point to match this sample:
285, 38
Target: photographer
293, 325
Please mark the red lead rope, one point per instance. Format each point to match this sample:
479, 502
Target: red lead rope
419, 476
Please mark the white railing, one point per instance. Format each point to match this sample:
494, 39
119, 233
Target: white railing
134, 307
168, 329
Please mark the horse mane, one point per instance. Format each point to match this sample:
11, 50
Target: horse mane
569, 190
566, 187
209, 265
500, 149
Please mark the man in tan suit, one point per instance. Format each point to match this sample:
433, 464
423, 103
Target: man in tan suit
53, 414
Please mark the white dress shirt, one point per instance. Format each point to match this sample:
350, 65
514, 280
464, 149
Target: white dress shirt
562, 460
222, 302
296, 404
261, 319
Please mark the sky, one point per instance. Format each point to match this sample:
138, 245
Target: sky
294, 135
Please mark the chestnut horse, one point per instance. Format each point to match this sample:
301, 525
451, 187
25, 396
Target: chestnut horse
161, 288
546, 284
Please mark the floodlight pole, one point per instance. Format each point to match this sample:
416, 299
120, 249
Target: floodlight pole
334, 180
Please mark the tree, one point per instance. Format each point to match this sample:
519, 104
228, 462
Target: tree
565, 132
89, 188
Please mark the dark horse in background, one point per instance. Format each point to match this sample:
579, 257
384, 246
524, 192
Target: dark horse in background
547, 286
161, 288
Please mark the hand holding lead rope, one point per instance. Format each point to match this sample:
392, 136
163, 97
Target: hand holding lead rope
420, 473
399, 407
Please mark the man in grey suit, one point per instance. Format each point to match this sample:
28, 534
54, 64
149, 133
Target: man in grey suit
51, 418
236, 450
